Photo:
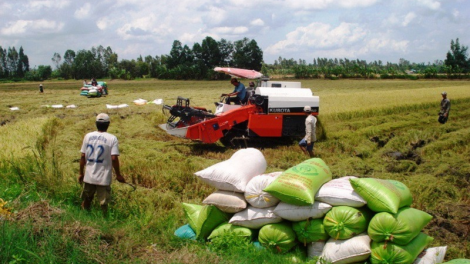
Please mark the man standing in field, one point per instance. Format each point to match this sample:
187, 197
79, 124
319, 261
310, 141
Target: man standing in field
100, 154
306, 144
445, 108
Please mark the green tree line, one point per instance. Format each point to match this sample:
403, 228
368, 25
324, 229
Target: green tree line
197, 62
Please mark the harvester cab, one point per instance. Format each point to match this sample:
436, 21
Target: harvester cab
274, 109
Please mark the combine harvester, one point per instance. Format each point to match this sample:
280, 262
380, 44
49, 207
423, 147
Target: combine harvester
274, 109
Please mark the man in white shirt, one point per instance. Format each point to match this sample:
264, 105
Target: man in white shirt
100, 154
306, 144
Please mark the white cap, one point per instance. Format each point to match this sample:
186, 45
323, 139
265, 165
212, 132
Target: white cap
102, 118
444, 93
307, 109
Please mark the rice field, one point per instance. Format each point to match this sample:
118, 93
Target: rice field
374, 128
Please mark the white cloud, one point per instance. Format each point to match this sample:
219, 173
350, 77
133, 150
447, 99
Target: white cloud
48, 4
323, 4
103, 23
230, 30
31, 26
83, 12
257, 22
408, 18
381, 44
319, 36
431, 4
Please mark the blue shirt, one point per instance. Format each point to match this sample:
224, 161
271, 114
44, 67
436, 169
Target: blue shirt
240, 88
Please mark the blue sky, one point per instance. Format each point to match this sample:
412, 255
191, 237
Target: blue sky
386, 30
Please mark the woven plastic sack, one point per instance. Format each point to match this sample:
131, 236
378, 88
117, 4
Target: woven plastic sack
254, 193
255, 218
309, 231
340, 192
458, 261
203, 219
382, 195
399, 228
185, 232
228, 202
315, 249
226, 228
433, 255
353, 250
301, 212
298, 185
393, 253
344, 222
235, 173
278, 238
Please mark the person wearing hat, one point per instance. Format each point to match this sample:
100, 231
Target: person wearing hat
239, 91
306, 144
41, 88
445, 108
99, 156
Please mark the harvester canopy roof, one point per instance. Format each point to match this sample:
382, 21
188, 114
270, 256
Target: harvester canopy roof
241, 73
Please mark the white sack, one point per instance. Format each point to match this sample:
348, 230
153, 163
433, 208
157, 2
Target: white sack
433, 255
254, 193
235, 173
314, 249
157, 101
140, 101
15, 108
298, 213
340, 192
351, 250
255, 218
57, 106
228, 202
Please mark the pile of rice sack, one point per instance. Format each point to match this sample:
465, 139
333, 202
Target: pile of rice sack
344, 220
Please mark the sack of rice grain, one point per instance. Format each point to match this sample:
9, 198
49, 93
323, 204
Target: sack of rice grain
458, 261
399, 228
227, 228
278, 237
383, 252
311, 230
254, 193
315, 249
185, 232
235, 173
228, 202
433, 255
382, 195
353, 250
255, 218
344, 222
301, 212
203, 219
298, 185
339, 192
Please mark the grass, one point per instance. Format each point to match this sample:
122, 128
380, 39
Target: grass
375, 128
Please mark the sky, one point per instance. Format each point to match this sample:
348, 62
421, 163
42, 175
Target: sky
416, 30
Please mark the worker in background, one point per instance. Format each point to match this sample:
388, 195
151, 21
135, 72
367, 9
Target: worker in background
239, 91
100, 154
445, 108
306, 144
41, 88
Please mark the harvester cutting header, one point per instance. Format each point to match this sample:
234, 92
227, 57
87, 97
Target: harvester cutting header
271, 109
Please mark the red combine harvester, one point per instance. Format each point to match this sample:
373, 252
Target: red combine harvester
274, 109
